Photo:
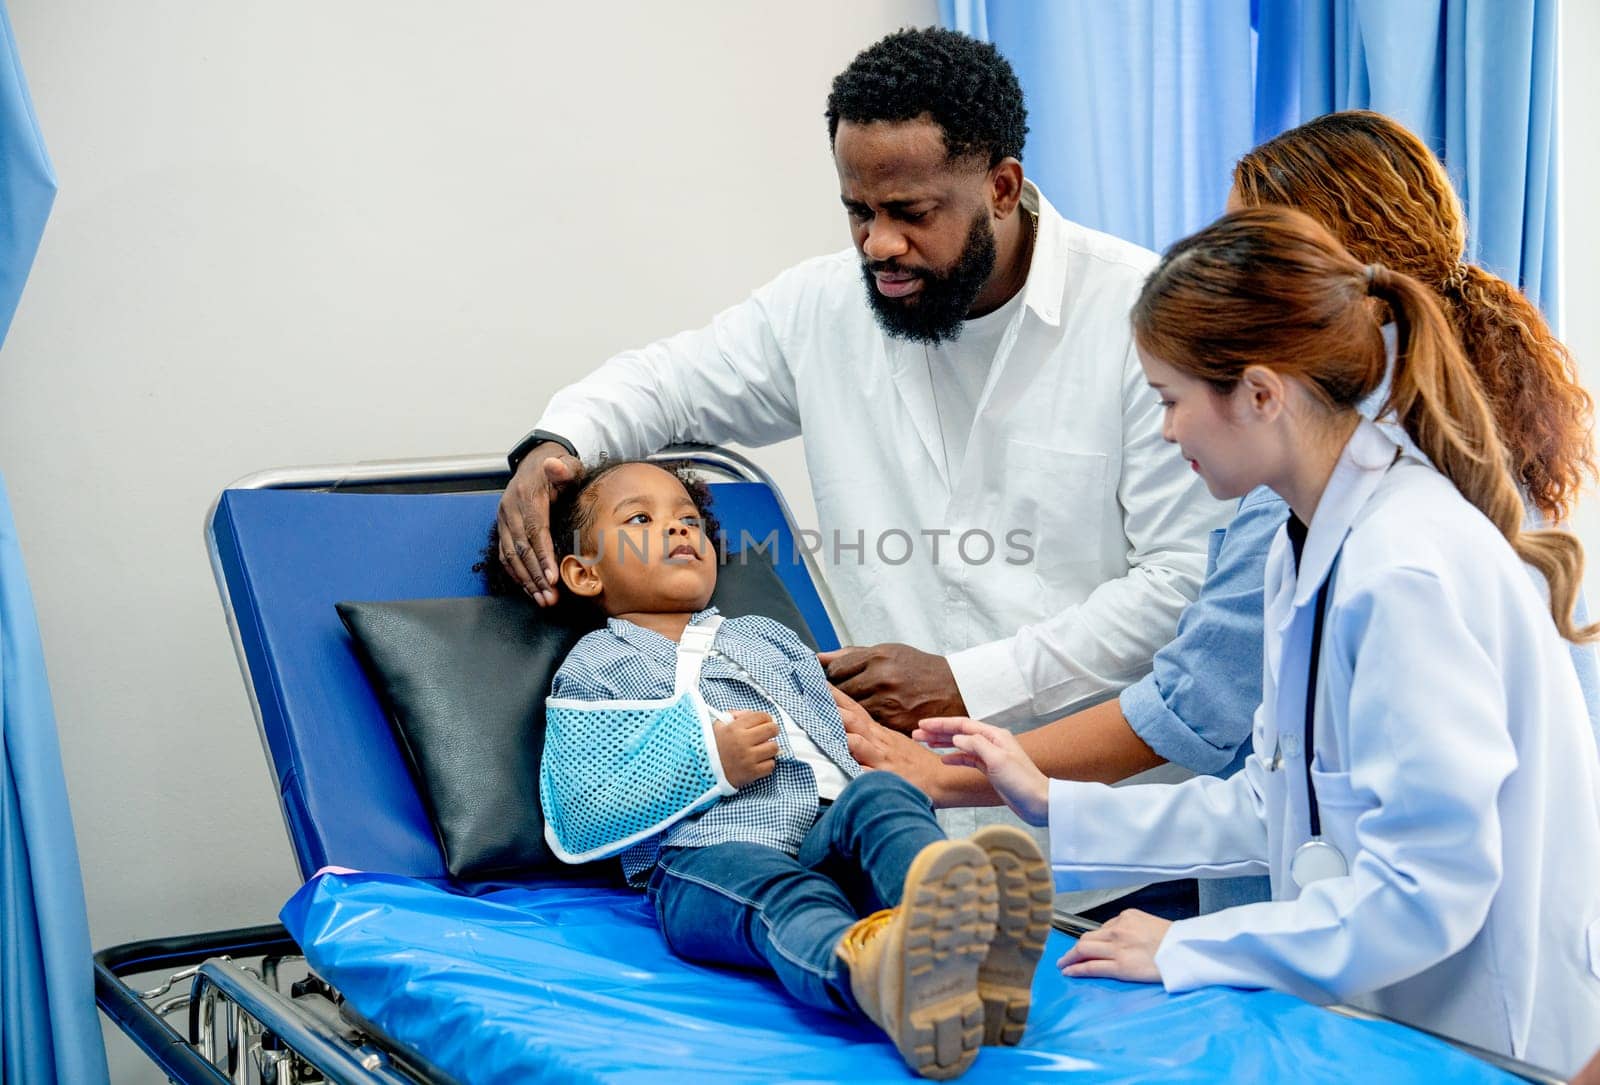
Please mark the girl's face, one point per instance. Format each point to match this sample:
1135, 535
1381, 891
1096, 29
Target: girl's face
647, 551
1209, 430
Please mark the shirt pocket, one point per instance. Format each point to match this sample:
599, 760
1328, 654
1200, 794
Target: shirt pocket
1059, 499
1340, 805
1594, 948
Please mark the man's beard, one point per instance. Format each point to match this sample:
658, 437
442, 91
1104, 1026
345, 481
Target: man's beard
937, 311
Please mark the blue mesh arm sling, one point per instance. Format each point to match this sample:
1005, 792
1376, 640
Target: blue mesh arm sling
617, 772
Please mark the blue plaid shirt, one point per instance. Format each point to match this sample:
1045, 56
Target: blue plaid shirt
625, 661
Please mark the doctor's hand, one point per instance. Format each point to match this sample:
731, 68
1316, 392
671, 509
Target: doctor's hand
995, 751
524, 519
747, 747
1123, 949
896, 683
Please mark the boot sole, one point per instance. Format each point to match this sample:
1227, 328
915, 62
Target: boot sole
950, 906
1026, 892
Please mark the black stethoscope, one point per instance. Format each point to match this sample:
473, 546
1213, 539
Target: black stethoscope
1317, 858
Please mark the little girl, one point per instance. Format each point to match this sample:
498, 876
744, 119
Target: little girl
710, 755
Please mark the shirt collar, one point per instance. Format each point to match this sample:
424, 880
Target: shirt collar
649, 640
1047, 268
1366, 458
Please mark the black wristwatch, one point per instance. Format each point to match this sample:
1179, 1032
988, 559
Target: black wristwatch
533, 441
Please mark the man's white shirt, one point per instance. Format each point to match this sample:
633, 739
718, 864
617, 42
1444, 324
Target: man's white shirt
1062, 457
958, 372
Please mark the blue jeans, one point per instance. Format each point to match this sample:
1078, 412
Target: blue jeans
752, 906
1219, 893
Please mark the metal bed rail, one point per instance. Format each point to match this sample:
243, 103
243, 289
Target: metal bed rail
242, 1028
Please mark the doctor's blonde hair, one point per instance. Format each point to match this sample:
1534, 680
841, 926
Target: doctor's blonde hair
1388, 200
1271, 287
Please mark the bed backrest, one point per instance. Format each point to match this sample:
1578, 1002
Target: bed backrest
284, 557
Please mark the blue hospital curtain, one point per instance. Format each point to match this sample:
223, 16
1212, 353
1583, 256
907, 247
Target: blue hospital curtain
1475, 78
49, 1032
1138, 108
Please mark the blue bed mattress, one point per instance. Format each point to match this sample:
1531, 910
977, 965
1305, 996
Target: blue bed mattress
574, 983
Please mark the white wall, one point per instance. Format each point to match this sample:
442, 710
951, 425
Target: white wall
304, 232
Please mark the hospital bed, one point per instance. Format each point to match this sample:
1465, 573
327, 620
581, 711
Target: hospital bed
386, 970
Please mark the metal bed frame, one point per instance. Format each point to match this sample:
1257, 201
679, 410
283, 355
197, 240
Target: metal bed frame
243, 1027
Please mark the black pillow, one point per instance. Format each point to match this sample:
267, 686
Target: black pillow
464, 682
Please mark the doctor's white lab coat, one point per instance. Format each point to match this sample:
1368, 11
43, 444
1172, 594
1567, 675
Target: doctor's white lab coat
1454, 768
1066, 448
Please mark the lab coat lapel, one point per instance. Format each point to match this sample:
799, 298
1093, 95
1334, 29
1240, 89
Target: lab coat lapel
1290, 591
1291, 606
1366, 458
1279, 599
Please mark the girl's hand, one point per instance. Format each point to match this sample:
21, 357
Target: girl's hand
747, 747
1123, 949
1012, 774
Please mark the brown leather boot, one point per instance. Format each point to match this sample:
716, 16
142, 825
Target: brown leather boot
914, 968
1027, 892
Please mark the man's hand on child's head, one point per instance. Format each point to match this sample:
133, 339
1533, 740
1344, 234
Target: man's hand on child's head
524, 520
747, 747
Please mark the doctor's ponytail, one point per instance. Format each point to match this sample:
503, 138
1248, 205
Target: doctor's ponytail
1271, 287
1436, 398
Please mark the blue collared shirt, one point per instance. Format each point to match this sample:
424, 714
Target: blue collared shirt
1196, 705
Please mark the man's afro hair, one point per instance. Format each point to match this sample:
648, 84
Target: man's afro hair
965, 85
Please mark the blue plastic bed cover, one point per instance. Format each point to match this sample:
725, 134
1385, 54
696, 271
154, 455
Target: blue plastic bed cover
574, 983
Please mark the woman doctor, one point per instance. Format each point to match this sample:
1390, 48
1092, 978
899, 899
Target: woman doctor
1430, 815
